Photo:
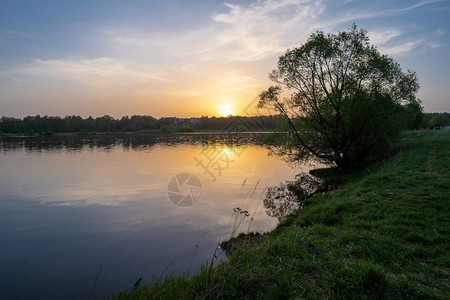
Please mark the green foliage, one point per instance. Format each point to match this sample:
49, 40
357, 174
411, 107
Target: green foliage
440, 119
83, 132
437, 116
105, 123
135, 123
348, 102
413, 115
185, 129
167, 129
382, 235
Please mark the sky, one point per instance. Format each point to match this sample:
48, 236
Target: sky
193, 58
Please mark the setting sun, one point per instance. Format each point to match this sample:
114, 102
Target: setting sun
226, 110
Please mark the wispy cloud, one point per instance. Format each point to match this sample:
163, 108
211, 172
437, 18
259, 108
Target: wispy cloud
264, 28
11, 77
381, 37
96, 72
406, 41
403, 48
242, 32
6, 36
439, 32
395, 41
422, 3
436, 45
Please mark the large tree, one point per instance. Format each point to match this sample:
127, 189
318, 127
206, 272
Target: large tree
344, 102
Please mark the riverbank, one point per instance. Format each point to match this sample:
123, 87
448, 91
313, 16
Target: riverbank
384, 233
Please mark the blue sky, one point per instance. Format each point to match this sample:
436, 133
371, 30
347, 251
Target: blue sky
193, 58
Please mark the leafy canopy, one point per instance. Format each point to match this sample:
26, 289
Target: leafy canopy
344, 102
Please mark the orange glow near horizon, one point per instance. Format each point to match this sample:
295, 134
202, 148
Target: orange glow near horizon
226, 110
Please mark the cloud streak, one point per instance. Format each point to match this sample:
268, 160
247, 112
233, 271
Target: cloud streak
265, 28
402, 48
420, 4
11, 77
94, 72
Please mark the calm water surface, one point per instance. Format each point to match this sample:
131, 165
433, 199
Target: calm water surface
73, 209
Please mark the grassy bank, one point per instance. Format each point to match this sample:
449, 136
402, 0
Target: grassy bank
383, 234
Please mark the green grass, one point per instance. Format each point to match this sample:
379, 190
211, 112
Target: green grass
383, 234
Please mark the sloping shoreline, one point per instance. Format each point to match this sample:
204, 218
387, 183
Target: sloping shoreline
384, 233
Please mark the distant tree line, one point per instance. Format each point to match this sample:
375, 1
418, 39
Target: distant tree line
434, 119
49, 125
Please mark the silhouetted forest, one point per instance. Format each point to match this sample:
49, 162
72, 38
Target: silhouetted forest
433, 119
48, 125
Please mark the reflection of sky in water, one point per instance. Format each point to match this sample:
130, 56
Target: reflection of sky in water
66, 211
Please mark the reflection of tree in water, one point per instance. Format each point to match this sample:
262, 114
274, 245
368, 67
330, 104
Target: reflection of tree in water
106, 142
287, 198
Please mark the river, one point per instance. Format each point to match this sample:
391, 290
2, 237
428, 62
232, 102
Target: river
87, 216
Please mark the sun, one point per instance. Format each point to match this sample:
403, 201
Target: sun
226, 110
